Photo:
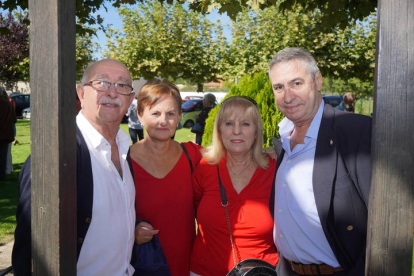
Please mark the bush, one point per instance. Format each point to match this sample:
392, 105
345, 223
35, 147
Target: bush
257, 87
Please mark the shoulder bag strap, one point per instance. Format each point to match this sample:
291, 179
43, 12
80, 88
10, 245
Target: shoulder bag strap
128, 158
188, 157
225, 203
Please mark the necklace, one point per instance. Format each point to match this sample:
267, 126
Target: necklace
238, 174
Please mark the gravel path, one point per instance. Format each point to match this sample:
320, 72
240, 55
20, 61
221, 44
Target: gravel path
5, 255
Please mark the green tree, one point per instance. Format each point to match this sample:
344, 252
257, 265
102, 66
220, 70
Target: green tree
168, 41
335, 12
259, 88
85, 47
359, 88
343, 53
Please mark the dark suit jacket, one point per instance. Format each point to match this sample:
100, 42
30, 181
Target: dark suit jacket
341, 183
21, 255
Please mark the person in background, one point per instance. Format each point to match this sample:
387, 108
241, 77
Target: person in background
105, 188
134, 125
7, 121
208, 103
320, 197
347, 103
162, 173
246, 172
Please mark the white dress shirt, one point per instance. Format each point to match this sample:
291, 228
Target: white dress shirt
298, 232
108, 243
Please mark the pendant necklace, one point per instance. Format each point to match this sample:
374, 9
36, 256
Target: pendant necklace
237, 175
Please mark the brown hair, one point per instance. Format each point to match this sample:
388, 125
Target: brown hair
154, 90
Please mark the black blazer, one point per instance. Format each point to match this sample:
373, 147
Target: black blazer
341, 182
22, 249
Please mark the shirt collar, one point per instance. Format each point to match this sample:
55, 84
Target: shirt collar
94, 136
286, 126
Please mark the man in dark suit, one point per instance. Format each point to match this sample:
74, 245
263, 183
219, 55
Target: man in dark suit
320, 198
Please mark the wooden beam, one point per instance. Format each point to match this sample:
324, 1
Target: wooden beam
391, 215
52, 82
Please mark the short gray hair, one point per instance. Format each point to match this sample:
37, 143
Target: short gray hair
210, 98
295, 53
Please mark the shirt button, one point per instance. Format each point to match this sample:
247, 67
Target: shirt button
289, 161
88, 220
280, 236
350, 228
284, 185
280, 210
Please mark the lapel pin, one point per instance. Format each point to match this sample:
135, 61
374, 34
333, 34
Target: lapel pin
331, 142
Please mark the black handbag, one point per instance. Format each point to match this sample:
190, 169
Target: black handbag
197, 128
248, 267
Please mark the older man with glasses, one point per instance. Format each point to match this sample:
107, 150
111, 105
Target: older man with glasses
105, 188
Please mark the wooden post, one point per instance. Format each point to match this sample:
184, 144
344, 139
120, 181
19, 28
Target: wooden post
391, 210
52, 82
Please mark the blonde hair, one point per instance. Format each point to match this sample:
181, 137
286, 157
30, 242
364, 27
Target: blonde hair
214, 153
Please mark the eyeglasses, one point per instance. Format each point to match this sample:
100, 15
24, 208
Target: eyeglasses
242, 97
104, 86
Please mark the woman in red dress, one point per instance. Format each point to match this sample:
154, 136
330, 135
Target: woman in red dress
246, 174
162, 174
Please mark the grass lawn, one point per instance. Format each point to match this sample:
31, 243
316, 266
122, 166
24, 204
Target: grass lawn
9, 194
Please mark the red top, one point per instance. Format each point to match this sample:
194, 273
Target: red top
167, 203
251, 222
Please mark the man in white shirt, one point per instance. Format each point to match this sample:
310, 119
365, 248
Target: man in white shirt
320, 197
105, 187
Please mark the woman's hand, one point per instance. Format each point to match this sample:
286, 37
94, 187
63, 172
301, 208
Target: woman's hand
144, 232
271, 152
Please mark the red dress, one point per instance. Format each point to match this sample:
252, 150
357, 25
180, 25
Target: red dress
167, 203
251, 222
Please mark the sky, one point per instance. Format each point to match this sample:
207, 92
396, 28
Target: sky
112, 18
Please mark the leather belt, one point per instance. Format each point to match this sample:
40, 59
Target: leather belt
313, 269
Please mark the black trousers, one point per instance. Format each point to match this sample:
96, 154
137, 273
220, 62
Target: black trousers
134, 133
4, 146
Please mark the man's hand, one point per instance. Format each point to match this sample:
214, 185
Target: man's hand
144, 232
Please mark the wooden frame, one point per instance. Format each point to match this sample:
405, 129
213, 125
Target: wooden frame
52, 81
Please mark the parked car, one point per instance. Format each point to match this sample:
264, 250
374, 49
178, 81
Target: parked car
26, 113
22, 101
193, 97
191, 109
332, 100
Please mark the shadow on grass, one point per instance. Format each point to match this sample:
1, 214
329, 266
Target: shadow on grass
9, 197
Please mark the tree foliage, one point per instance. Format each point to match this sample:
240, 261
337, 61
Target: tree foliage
342, 54
85, 48
168, 41
259, 88
360, 89
334, 12
14, 49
